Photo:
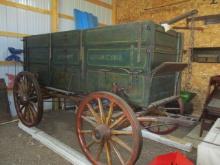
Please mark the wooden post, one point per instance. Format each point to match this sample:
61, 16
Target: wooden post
114, 12
54, 15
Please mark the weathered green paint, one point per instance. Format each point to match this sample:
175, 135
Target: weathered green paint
95, 59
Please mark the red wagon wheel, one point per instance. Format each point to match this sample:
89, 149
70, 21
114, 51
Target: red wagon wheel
28, 99
160, 127
99, 118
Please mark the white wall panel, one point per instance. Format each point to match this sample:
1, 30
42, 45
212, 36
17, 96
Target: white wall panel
103, 14
65, 25
20, 21
44, 4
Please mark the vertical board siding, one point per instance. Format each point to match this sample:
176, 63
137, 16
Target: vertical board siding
65, 25
44, 4
22, 21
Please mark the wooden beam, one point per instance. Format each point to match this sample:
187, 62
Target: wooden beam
12, 34
114, 12
66, 16
102, 24
100, 3
25, 7
10, 63
54, 5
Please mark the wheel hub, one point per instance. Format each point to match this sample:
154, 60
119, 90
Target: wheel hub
101, 132
24, 99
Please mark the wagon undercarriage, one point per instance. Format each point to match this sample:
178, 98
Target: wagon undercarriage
107, 114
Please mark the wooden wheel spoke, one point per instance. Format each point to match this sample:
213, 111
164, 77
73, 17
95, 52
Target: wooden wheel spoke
31, 115
108, 153
86, 131
23, 114
121, 143
118, 154
96, 116
102, 115
91, 144
26, 114
33, 110
121, 132
101, 146
21, 108
20, 89
25, 84
91, 122
120, 120
33, 105
31, 89
32, 98
108, 119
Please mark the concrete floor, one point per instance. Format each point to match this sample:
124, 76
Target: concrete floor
18, 148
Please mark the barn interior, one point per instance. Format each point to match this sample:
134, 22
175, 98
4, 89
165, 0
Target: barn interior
109, 82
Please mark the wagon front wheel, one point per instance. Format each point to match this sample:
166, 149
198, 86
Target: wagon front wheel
28, 99
99, 118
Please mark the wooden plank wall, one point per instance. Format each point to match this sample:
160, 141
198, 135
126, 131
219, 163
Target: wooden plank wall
132, 10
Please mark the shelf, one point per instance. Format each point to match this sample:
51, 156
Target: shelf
10, 63
206, 54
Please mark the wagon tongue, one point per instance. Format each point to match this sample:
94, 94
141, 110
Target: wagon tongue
169, 67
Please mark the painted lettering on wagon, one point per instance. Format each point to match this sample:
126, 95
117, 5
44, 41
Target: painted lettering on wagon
106, 57
100, 58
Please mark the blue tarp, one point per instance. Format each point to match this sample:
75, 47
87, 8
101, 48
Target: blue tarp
84, 20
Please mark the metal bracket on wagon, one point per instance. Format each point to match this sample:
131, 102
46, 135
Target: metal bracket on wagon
169, 67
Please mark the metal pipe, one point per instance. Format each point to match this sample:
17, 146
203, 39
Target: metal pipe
156, 104
162, 102
180, 17
60, 90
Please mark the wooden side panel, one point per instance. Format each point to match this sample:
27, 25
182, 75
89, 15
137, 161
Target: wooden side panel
37, 57
65, 64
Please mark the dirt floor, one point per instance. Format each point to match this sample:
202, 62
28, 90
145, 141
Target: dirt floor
18, 148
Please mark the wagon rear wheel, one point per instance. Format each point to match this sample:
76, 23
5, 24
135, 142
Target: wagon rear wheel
99, 117
28, 99
159, 127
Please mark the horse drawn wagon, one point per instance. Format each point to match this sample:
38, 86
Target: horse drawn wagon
118, 76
